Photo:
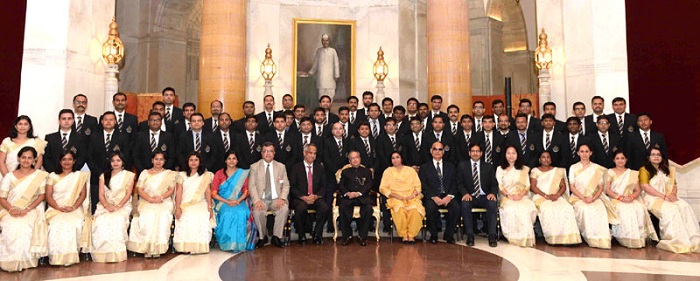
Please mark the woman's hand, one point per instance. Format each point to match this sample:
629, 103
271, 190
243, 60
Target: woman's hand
178, 213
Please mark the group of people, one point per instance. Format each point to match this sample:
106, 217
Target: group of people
223, 178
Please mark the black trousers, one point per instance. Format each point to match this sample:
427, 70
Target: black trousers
331, 187
345, 207
301, 216
432, 215
491, 214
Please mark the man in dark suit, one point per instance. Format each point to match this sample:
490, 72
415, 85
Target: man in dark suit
492, 142
63, 140
367, 100
182, 126
308, 188
403, 127
387, 143
503, 126
533, 123
387, 109
478, 109
527, 141
158, 107
452, 123
84, 124
604, 144
355, 184
436, 105
411, 108
145, 143
621, 122
424, 115
265, 118
248, 110
305, 137
465, 137
325, 103
353, 113
173, 114
212, 123
551, 108
552, 141
287, 102
438, 134
415, 145
335, 156
597, 104
640, 142
102, 145
196, 139
366, 146
321, 128
478, 186
574, 139
126, 123
499, 108
580, 112
248, 145
438, 178
221, 143
286, 150
376, 126
350, 129
299, 112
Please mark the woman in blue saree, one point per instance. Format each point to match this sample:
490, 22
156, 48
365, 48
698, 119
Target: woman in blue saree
235, 230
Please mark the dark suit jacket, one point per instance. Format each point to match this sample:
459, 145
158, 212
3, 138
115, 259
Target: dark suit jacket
288, 152
599, 156
179, 128
186, 146
98, 157
629, 124
380, 128
245, 156
298, 182
208, 125
218, 151
560, 127
176, 115
385, 150
431, 183
299, 142
333, 158
461, 152
359, 116
326, 130
130, 126
533, 146
143, 127
590, 124
443, 114
411, 155
356, 180
351, 131
404, 128
569, 158
141, 153
534, 126
558, 147
89, 122
447, 140
263, 126
498, 143
487, 177
76, 143
636, 151
368, 160
237, 126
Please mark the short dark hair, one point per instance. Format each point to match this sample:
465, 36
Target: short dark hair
374, 104
189, 104
390, 119
317, 109
495, 102
474, 144
548, 116
352, 98
197, 114
168, 89
246, 102
279, 116
477, 102
363, 123
200, 168
605, 117
647, 114
387, 99
619, 99
323, 97
597, 98
251, 117
305, 119
453, 106
212, 102
578, 103
153, 113
487, 117
439, 117
399, 108
79, 95
268, 95
367, 93
436, 97
118, 94
268, 144
422, 104
108, 113
65, 111
299, 106
521, 102
549, 103
466, 116
288, 112
343, 108
158, 103
412, 99
573, 118
521, 115
287, 95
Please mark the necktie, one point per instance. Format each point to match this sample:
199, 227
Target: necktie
548, 141
167, 114
417, 143
345, 130
605, 144
477, 183
108, 141
306, 141
309, 181
454, 129
319, 131
269, 120
393, 143
467, 138
646, 141
120, 123
523, 142
79, 126
226, 144
197, 142
478, 125
375, 129
64, 142
251, 143
439, 174
572, 146
580, 129
154, 144
620, 124
340, 147
279, 139
437, 136
268, 183
216, 124
187, 125
369, 152
487, 150
352, 118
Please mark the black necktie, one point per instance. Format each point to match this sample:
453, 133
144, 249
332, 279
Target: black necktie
477, 183
439, 174
108, 141
64, 142
197, 142
226, 144
154, 144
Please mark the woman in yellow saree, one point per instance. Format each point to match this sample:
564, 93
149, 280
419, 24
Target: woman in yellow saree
622, 186
69, 231
111, 218
21, 136
23, 236
517, 211
680, 232
557, 218
402, 187
586, 182
150, 227
194, 215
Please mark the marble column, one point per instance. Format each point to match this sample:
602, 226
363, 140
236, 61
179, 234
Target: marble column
448, 52
222, 62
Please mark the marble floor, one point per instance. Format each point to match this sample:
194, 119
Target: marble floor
392, 261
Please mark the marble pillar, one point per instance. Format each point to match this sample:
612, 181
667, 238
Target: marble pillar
448, 52
63, 57
486, 59
222, 61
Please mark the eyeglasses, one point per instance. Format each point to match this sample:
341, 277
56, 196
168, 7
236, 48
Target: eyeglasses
80, 102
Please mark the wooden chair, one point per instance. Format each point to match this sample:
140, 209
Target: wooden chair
289, 224
376, 211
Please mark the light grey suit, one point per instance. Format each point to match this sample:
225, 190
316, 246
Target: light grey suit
256, 187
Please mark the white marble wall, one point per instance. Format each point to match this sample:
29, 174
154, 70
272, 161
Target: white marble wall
63, 57
687, 178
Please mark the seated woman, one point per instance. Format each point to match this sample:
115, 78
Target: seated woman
150, 228
21, 136
622, 186
193, 208
69, 230
678, 224
586, 183
557, 218
23, 235
111, 218
235, 229
402, 187
518, 213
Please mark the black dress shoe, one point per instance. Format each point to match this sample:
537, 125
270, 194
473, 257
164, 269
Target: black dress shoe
386, 229
302, 239
433, 240
450, 240
330, 229
363, 242
347, 241
277, 242
470, 240
318, 240
493, 243
261, 242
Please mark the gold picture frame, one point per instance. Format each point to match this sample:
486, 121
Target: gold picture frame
306, 40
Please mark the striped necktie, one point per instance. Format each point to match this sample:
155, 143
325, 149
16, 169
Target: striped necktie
305, 142
477, 183
647, 144
120, 123
487, 150
197, 142
108, 141
572, 146
64, 142
367, 149
79, 125
279, 139
251, 143
375, 129
167, 114
226, 144
606, 147
523, 143
154, 144
620, 125
548, 142
417, 143
393, 143
439, 174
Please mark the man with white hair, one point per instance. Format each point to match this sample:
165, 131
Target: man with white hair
326, 68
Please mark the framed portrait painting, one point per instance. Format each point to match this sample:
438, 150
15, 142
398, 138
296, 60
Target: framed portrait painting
324, 60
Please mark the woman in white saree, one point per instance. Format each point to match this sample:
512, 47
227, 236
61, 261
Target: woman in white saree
150, 227
557, 218
680, 232
111, 218
517, 211
23, 236
22, 135
69, 225
622, 186
194, 215
586, 183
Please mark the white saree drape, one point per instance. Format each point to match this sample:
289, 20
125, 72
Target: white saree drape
109, 229
592, 219
68, 232
517, 217
194, 228
557, 218
635, 224
150, 227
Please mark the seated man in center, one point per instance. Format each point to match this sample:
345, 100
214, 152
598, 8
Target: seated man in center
269, 188
308, 181
355, 184
439, 190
